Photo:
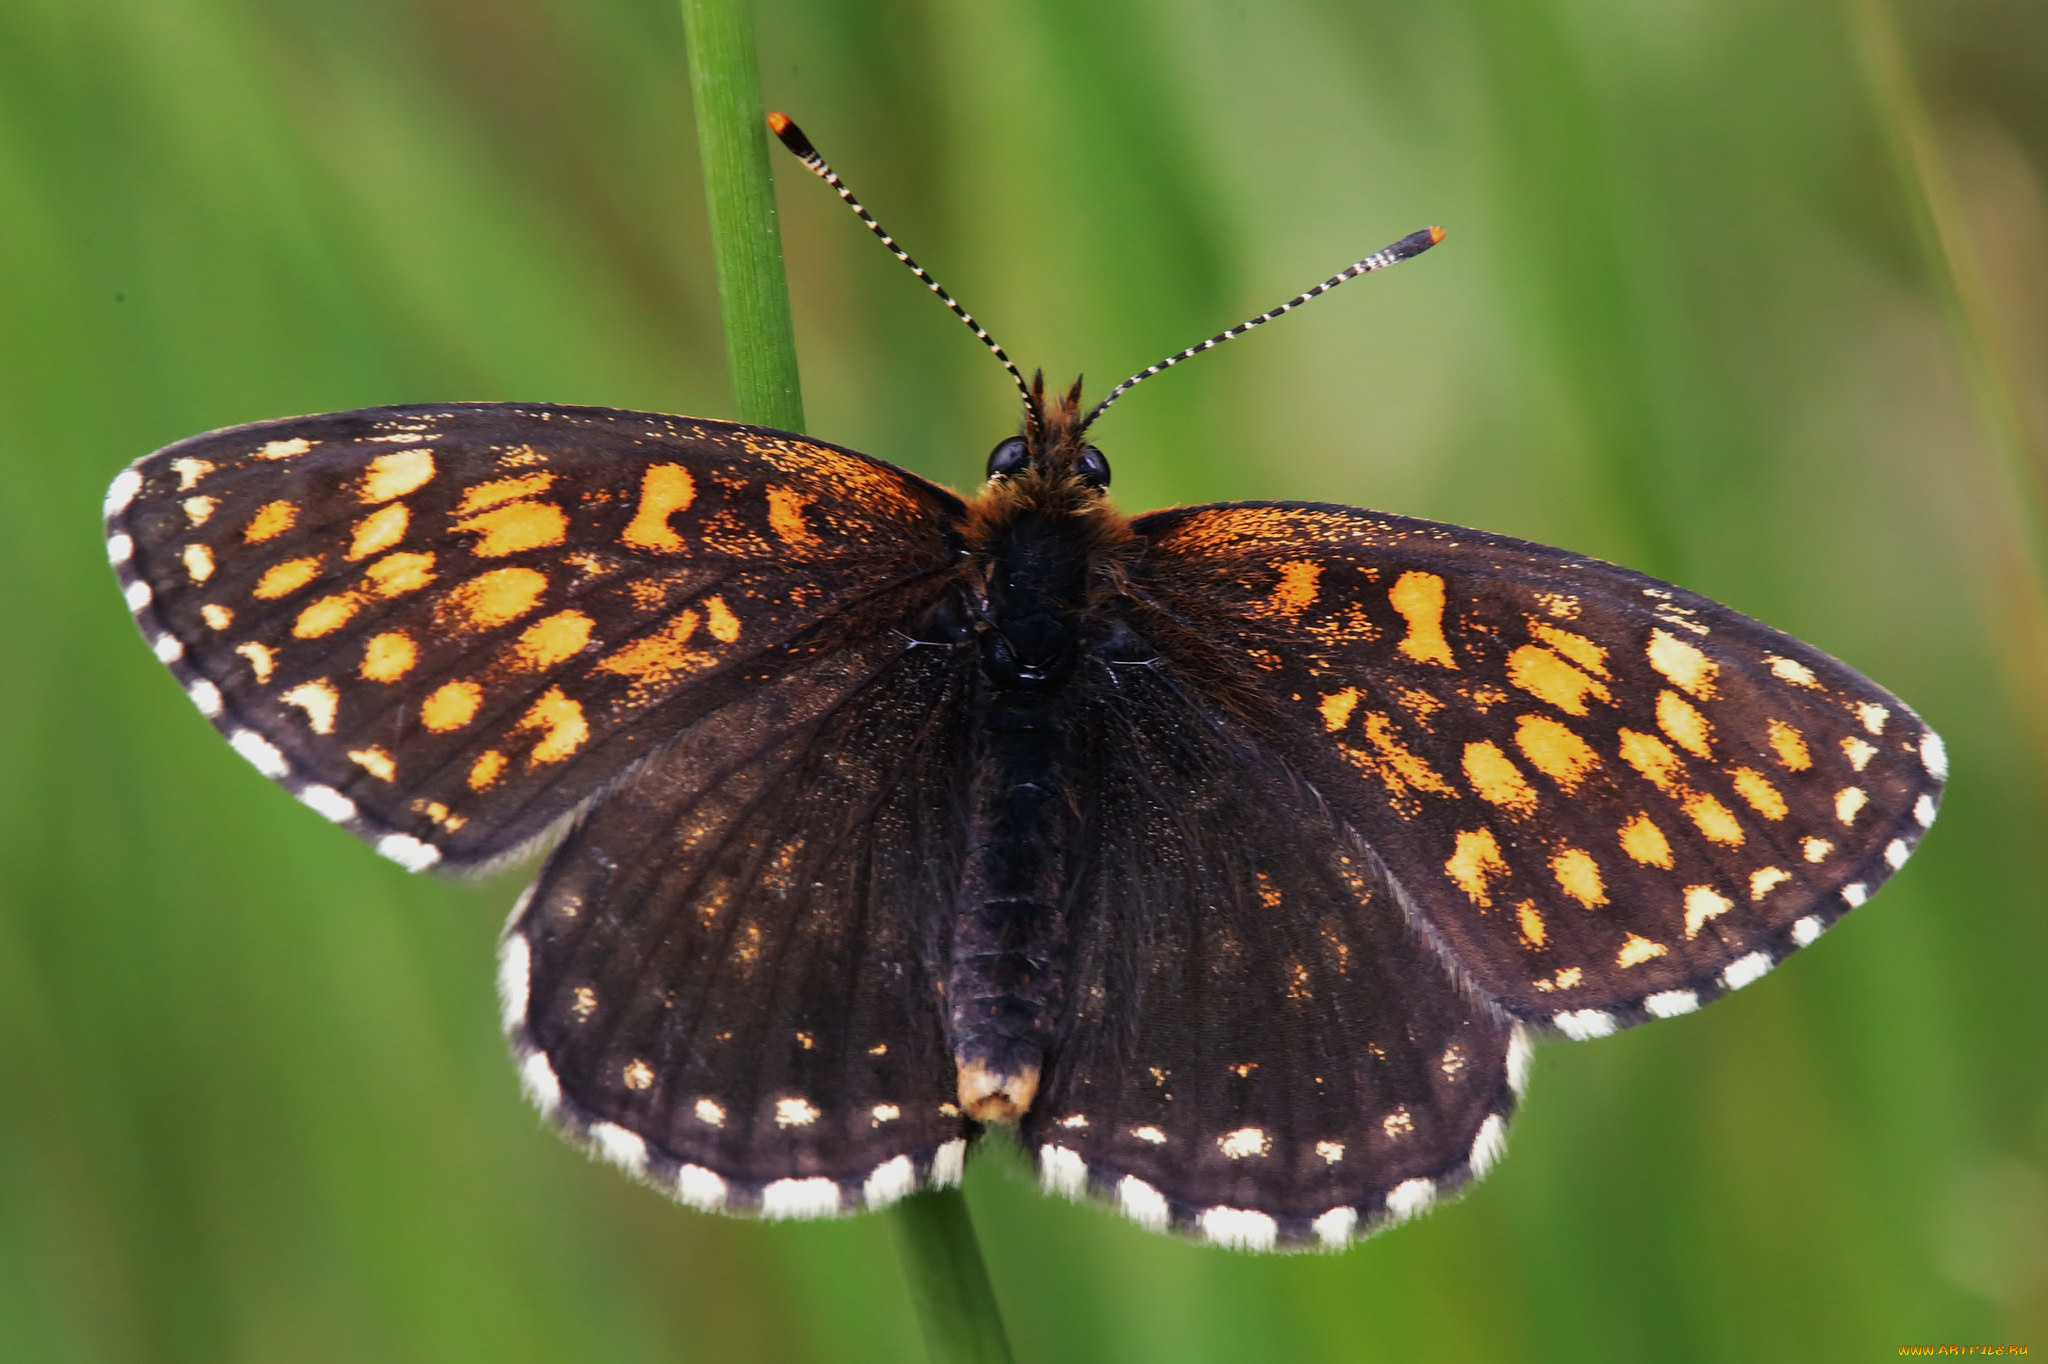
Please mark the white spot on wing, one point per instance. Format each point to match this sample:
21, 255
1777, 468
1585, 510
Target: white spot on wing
537, 1078
1410, 1197
1584, 1024
1245, 1141
206, 696
949, 1164
1521, 1051
1806, 930
700, 1188
1896, 852
1934, 756
1746, 970
800, 1198
167, 649
1334, 1228
136, 594
709, 1113
121, 492
408, 852
1061, 1171
892, 1180
1855, 893
120, 549
1143, 1204
328, 803
261, 753
1671, 1003
515, 979
1488, 1145
1923, 811
622, 1148
1239, 1229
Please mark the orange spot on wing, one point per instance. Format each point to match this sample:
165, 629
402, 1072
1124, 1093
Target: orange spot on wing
396, 474
489, 765
318, 700
1548, 677
327, 615
492, 599
552, 639
271, 520
379, 531
1402, 770
1419, 597
1336, 708
281, 580
1684, 724
1579, 875
1645, 842
1494, 777
515, 527
656, 660
1701, 904
1534, 934
1713, 818
1474, 863
394, 575
374, 761
451, 706
1653, 758
1638, 950
786, 517
1580, 650
1762, 796
388, 657
719, 619
503, 490
1555, 750
562, 724
1296, 590
1683, 663
665, 489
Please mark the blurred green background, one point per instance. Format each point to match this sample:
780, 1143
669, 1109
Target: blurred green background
1752, 294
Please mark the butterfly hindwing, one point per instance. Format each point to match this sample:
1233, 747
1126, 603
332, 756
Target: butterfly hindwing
726, 980
446, 627
1261, 1050
1606, 797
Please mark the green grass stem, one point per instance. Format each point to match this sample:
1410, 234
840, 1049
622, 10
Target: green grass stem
941, 1258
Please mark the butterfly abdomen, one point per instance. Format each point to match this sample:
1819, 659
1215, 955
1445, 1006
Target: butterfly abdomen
1038, 544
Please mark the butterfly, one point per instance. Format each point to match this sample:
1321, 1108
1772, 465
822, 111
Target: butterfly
1234, 855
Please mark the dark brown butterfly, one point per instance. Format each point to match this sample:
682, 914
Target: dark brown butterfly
1235, 853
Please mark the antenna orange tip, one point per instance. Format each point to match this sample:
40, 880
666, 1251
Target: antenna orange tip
1436, 234
777, 122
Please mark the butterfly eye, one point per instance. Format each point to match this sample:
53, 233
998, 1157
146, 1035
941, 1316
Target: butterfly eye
1008, 457
1093, 468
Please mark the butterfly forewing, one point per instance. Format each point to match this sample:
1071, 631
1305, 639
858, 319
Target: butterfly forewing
1605, 797
725, 979
1263, 1051
446, 627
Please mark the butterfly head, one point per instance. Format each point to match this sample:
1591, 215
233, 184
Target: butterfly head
1050, 444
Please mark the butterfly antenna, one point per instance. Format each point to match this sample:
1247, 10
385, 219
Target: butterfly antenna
793, 138
1414, 244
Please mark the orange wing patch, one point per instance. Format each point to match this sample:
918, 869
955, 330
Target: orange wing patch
1474, 863
1419, 597
665, 489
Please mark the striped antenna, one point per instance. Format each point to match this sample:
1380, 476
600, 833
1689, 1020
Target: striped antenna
793, 138
1414, 244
